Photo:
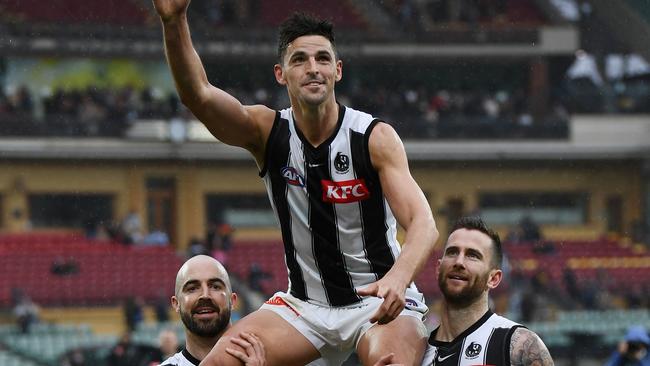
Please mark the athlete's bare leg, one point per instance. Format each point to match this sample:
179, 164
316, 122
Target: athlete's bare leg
283, 344
405, 336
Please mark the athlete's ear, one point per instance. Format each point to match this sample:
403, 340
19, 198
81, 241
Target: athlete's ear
279, 74
339, 70
175, 304
233, 299
495, 277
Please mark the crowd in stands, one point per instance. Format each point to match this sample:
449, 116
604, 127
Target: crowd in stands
421, 112
623, 86
416, 110
423, 15
89, 112
537, 295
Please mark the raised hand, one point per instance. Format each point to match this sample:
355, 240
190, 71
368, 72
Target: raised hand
170, 9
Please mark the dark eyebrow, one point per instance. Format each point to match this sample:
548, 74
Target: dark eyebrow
210, 281
475, 252
297, 53
303, 53
450, 247
190, 283
219, 280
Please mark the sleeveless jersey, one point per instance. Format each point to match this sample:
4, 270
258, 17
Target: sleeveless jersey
338, 231
182, 358
487, 342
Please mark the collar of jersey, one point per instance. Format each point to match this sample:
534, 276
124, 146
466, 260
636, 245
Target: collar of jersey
465, 333
329, 140
191, 358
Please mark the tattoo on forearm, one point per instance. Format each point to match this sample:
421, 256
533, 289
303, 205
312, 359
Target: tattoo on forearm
527, 349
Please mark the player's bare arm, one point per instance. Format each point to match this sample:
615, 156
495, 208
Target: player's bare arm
225, 117
411, 210
527, 349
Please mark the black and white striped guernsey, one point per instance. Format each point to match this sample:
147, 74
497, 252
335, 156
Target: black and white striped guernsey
338, 230
182, 358
486, 342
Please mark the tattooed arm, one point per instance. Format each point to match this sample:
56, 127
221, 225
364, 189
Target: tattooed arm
527, 349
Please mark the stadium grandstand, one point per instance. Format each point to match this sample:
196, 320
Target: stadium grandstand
534, 114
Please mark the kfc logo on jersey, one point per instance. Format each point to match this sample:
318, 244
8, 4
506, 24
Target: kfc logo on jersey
293, 177
344, 192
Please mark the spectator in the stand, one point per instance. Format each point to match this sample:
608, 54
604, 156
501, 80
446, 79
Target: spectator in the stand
168, 343
133, 312
26, 313
211, 237
571, 284
22, 101
633, 349
637, 296
220, 241
124, 353
256, 275
530, 231
74, 358
157, 237
161, 307
62, 266
196, 247
132, 227
225, 231
91, 115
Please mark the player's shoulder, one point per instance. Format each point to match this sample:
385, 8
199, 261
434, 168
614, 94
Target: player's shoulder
527, 348
502, 321
261, 113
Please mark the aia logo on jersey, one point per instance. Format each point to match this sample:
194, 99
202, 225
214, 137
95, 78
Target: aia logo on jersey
344, 192
411, 303
473, 350
292, 176
341, 163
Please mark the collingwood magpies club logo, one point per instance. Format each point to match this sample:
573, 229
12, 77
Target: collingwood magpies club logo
473, 350
341, 163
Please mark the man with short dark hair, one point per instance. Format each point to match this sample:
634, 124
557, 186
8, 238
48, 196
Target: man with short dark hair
338, 180
469, 332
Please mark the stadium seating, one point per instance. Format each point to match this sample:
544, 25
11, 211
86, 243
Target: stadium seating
105, 273
587, 259
147, 333
8, 358
610, 325
46, 343
269, 255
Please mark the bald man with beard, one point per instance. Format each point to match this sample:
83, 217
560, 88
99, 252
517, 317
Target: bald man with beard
203, 298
